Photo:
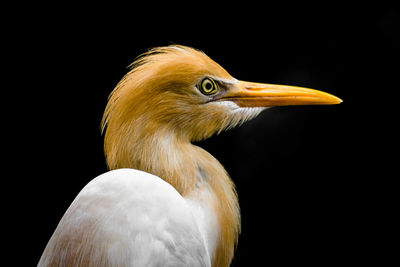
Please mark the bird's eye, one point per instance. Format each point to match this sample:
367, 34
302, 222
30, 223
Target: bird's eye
208, 86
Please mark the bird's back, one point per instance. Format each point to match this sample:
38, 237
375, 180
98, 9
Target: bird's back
127, 218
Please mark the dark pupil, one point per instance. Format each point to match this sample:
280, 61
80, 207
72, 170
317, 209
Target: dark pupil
208, 86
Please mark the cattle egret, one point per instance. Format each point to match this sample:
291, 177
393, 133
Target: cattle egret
165, 201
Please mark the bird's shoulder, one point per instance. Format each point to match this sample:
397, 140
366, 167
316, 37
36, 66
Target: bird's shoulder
129, 185
132, 218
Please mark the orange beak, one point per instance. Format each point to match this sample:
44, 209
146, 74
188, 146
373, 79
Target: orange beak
248, 94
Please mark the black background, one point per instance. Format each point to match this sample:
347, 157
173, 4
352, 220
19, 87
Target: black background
313, 182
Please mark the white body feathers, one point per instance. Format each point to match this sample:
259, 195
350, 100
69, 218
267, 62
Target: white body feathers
128, 217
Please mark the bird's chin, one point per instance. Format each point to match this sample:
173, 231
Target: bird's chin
236, 115
233, 107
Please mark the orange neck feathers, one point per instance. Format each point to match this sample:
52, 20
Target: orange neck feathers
145, 130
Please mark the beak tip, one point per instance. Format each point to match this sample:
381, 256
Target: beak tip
337, 100
330, 99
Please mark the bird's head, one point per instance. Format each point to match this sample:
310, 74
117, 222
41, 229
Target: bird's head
181, 90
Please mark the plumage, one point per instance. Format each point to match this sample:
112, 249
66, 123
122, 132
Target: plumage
156, 225
165, 202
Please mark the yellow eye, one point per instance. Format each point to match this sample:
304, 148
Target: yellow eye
208, 86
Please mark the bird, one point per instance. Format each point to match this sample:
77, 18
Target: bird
165, 201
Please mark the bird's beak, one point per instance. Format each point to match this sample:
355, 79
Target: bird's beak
248, 94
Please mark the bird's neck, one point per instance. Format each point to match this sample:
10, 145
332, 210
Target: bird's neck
200, 179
